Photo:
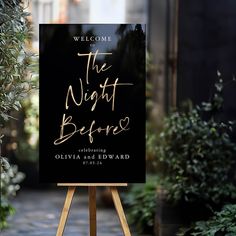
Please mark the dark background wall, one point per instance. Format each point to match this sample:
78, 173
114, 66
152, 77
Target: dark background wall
207, 43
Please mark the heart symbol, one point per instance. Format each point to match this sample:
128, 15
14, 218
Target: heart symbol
124, 123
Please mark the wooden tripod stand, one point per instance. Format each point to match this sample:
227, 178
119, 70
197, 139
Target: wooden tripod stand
92, 206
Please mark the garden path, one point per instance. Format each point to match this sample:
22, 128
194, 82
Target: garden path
38, 212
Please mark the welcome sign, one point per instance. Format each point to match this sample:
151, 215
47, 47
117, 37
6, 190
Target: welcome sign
92, 103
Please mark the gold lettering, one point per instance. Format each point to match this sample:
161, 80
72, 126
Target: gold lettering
95, 95
94, 66
123, 126
64, 137
107, 92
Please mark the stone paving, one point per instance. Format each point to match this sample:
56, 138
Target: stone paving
38, 214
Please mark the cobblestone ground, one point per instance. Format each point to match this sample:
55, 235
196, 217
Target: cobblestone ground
38, 214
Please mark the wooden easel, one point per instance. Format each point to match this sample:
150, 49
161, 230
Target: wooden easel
92, 206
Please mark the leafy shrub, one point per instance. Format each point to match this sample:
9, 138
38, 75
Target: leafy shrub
198, 154
10, 177
27, 146
141, 202
14, 85
13, 57
223, 223
151, 144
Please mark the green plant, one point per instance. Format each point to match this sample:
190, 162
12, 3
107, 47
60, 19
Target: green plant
13, 57
14, 86
141, 202
28, 140
198, 154
151, 144
223, 223
10, 177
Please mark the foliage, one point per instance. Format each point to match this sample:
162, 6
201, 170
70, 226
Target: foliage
198, 154
28, 140
5, 211
14, 85
141, 202
151, 142
10, 177
223, 223
13, 58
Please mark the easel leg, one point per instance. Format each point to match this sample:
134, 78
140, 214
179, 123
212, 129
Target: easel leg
92, 211
65, 211
120, 211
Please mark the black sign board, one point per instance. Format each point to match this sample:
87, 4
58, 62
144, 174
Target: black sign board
92, 103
